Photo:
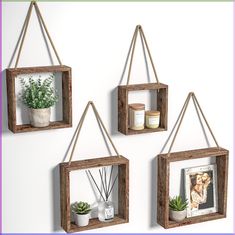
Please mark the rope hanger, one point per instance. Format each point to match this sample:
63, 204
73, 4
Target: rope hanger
25, 28
180, 120
79, 127
139, 30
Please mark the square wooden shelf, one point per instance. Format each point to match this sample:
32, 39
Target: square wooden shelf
123, 192
163, 179
162, 106
11, 75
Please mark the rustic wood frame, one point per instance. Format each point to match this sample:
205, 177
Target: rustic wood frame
66, 97
163, 178
162, 106
123, 191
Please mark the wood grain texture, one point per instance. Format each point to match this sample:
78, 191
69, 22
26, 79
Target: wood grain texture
193, 154
122, 110
163, 190
196, 219
162, 106
11, 101
40, 69
11, 75
123, 191
67, 96
163, 179
65, 198
222, 187
144, 86
95, 224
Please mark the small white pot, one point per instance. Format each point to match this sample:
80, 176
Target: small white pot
40, 117
81, 220
177, 215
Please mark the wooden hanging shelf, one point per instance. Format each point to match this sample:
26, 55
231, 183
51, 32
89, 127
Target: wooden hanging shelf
123, 191
123, 91
162, 106
12, 73
163, 178
11, 76
123, 180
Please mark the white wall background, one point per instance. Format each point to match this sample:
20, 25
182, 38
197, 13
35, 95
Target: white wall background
191, 44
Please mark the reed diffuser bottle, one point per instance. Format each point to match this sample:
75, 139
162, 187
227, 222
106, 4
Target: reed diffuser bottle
105, 211
106, 207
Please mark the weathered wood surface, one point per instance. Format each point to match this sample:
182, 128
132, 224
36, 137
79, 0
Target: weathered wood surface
40, 69
222, 186
11, 75
144, 86
122, 110
95, 224
53, 125
123, 191
192, 154
162, 191
11, 101
196, 219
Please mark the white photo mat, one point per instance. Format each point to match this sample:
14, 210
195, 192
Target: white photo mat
203, 198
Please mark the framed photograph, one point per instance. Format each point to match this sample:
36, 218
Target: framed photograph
201, 190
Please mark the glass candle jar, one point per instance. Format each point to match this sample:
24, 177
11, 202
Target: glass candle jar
136, 116
152, 119
105, 211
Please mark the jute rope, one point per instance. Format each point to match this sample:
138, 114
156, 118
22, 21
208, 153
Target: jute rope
181, 117
25, 27
80, 124
139, 30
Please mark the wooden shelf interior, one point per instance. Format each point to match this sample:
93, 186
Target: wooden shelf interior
194, 220
11, 75
95, 223
162, 106
163, 179
145, 130
53, 125
123, 191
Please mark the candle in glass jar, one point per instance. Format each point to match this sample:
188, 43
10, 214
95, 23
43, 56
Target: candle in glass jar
136, 116
152, 119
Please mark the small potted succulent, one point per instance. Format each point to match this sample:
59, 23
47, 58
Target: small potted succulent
81, 213
38, 95
178, 208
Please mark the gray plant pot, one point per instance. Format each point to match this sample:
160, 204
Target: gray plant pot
178, 215
40, 117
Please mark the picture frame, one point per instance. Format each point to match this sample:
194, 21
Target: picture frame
201, 190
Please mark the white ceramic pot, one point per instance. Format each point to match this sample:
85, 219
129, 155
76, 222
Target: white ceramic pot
40, 117
81, 220
177, 215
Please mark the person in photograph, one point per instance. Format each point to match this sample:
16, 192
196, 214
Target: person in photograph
207, 181
198, 192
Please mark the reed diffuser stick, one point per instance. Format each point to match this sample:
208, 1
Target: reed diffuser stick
112, 185
96, 184
105, 180
105, 192
110, 178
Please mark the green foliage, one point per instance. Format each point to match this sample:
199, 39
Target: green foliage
178, 204
38, 94
81, 208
